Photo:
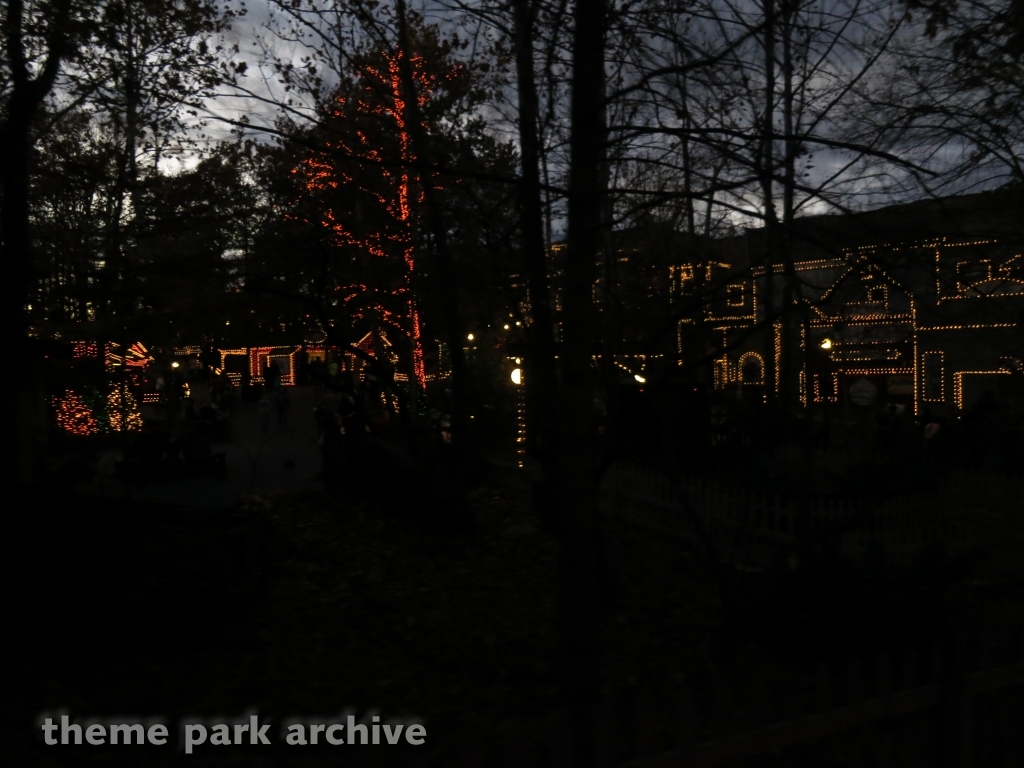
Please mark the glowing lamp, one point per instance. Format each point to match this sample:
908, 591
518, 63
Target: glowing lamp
517, 376
640, 379
826, 343
470, 337
506, 326
175, 364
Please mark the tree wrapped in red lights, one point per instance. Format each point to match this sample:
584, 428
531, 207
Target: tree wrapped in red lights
363, 190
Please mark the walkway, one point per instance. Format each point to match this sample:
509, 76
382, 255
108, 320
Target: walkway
282, 460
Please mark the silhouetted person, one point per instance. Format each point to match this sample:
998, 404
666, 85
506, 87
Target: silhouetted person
316, 373
272, 375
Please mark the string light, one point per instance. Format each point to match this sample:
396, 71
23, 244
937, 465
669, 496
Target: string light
123, 412
736, 295
721, 372
802, 384
137, 356
877, 371
834, 397
958, 383
400, 202
854, 356
74, 416
520, 425
917, 366
84, 349
777, 329
893, 353
225, 352
741, 364
974, 327
928, 395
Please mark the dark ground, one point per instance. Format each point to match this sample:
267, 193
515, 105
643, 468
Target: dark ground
314, 604
308, 605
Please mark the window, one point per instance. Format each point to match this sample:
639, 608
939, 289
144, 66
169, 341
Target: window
735, 295
721, 373
970, 273
681, 279
751, 368
825, 388
934, 372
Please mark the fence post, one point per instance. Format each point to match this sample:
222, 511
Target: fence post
824, 686
607, 737
759, 694
685, 715
876, 745
514, 750
957, 711
882, 674
560, 741
645, 722
469, 752
854, 680
910, 669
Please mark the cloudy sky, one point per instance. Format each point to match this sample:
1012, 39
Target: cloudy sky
252, 36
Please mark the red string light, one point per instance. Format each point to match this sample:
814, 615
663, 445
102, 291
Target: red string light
398, 197
74, 416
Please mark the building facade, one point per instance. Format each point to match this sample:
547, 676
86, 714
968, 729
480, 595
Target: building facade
919, 305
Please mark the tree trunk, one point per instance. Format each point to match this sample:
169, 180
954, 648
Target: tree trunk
792, 354
578, 569
772, 365
541, 381
17, 266
26, 96
14, 153
445, 269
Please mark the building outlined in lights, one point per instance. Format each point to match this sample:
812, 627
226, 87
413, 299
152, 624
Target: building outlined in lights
923, 300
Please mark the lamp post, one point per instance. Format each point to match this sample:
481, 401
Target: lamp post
517, 381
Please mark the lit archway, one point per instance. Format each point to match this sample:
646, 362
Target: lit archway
751, 368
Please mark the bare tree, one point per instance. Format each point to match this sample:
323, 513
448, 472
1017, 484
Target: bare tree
579, 564
764, 90
956, 103
38, 41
